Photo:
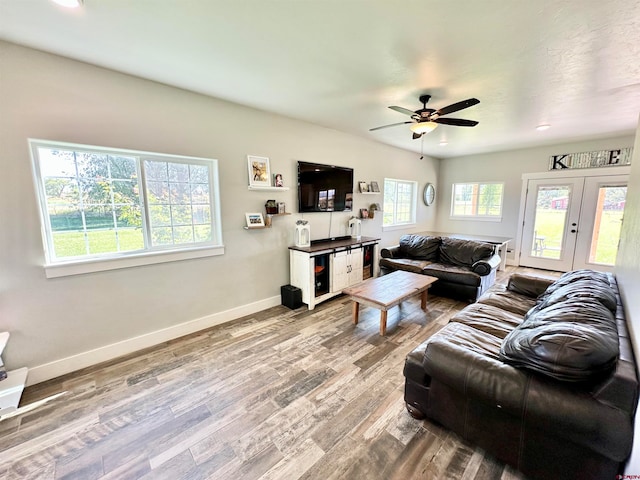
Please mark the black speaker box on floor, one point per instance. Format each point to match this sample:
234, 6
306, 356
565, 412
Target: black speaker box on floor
291, 296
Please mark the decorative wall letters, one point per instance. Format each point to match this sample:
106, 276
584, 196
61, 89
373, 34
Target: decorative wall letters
599, 158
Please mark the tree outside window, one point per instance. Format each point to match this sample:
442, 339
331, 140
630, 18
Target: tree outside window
399, 204
100, 202
482, 200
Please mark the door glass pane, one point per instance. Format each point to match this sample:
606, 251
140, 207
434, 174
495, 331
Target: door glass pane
552, 204
608, 221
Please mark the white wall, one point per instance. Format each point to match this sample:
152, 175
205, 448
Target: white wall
506, 167
628, 275
55, 322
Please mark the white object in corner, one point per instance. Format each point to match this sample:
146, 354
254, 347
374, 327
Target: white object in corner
11, 387
303, 234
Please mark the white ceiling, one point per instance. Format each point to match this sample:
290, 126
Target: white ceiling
341, 63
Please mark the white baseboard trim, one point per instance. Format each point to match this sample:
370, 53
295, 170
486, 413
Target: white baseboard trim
70, 364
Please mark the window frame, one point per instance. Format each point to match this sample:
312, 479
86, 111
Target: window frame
413, 207
478, 217
149, 254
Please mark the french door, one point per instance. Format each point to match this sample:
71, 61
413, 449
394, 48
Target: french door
574, 222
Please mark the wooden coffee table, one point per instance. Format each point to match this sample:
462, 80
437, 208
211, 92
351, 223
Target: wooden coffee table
388, 291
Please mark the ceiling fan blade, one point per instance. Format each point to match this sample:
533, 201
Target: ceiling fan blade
387, 126
406, 111
457, 106
458, 122
417, 135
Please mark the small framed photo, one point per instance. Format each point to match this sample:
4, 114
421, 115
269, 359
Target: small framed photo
364, 188
259, 172
254, 220
348, 202
375, 187
364, 213
277, 180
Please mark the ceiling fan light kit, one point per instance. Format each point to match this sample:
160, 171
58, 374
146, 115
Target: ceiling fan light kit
423, 127
425, 120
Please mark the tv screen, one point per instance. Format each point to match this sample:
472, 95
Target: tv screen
324, 188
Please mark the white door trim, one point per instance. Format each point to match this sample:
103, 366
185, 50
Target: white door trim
573, 172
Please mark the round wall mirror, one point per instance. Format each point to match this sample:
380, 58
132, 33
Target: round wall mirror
429, 194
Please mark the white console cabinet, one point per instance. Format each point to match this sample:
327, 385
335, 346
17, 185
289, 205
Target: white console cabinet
327, 267
347, 268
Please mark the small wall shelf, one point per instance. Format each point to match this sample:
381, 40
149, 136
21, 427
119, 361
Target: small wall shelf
267, 220
370, 193
269, 189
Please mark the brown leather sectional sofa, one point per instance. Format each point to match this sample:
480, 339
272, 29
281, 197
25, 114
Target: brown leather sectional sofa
539, 373
464, 268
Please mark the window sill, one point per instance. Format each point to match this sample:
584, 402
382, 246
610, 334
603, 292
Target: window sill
136, 260
398, 227
476, 218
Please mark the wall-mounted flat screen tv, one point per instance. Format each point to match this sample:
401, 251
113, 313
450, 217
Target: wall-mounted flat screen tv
324, 188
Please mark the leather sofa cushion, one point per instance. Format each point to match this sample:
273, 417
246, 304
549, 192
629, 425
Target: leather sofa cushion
463, 253
575, 340
582, 289
528, 285
488, 318
578, 275
510, 301
420, 247
407, 264
466, 359
452, 273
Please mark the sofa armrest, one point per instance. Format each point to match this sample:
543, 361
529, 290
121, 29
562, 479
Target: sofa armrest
483, 267
529, 285
390, 252
459, 356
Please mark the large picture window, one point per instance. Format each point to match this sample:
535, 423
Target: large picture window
399, 202
104, 204
477, 200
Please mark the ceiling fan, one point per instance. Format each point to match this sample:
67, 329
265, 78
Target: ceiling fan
426, 119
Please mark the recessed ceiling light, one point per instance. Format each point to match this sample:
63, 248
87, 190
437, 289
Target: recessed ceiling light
543, 127
69, 3
444, 143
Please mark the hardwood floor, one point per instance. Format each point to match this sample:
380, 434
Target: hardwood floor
283, 394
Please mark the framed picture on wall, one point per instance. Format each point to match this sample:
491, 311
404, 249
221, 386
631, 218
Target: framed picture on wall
374, 187
364, 188
259, 172
277, 180
254, 220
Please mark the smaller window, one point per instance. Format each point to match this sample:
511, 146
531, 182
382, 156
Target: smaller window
399, 202
477, 200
